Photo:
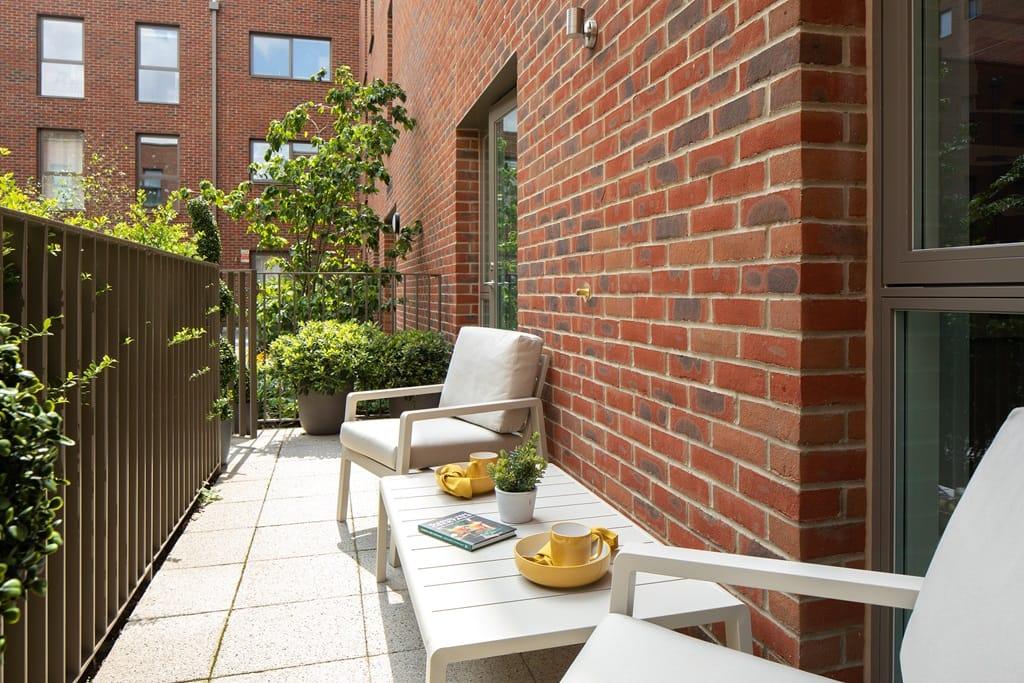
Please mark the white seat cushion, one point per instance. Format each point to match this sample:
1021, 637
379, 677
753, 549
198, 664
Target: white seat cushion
492, 365
626, 649
434, 442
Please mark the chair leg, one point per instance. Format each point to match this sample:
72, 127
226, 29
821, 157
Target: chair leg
393, 555
343, 485
382, 541
437, 668
737, 633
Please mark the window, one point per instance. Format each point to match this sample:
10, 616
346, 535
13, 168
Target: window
946, 24
258, 154
499, 289
287, 57
973, 9
61, 153
61, 62
158, 64
157, 164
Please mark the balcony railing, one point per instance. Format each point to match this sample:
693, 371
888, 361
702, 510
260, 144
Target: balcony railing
143, 443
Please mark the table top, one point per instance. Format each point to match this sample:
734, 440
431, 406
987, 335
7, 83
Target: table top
476, 604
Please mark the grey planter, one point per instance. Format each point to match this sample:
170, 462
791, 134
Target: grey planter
227, 428
321, 414
397, 406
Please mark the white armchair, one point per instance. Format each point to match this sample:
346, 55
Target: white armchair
490, 400
966, 620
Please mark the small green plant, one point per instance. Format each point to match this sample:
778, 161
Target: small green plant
409, 358
207, 496
519, 470
325, 357
204, 227
30, 439
223, 406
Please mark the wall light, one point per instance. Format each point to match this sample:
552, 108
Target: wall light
578, 26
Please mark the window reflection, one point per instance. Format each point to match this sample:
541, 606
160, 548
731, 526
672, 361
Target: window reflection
972, 111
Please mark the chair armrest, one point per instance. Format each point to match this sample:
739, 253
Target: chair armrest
354, 397
801, 578
410, 416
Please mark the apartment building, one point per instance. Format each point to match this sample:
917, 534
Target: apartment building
168, 94
774, 247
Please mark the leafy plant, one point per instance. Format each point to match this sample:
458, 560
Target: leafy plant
315, 204
205, 229
326, 357
409, 358
223, 406
519, 470
30, 438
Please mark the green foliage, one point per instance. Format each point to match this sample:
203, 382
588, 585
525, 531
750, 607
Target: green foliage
156, 227
205, 229
223, 406
316, 204
226, 304
30, 438
409, 358
285, 302
25, 199
325, 357
186, 334
519, 470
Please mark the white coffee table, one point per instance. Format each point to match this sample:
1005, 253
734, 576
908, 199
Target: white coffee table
471, 605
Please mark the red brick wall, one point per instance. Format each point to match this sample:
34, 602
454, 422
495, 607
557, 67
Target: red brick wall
111, 117
704, 171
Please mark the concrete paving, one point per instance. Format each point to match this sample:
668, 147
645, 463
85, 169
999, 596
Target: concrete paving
265, 585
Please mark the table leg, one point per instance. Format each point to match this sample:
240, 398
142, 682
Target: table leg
343, 485
737, 632
382, 540
437, 668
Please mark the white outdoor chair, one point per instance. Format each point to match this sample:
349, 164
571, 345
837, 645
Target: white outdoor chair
966, 624
490, 400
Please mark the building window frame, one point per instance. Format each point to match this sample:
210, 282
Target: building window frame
41, 135
140, 67
291, 55
969, 279
42, 60
140, 170
308, 149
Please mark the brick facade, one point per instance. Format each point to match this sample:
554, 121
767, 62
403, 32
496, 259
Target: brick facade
704, 171
111, 117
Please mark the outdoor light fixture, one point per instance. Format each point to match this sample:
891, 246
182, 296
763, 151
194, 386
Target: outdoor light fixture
577, 25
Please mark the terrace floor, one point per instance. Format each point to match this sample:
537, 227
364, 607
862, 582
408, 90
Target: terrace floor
265, 585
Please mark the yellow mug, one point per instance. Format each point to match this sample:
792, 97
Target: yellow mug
573, 544
479, 461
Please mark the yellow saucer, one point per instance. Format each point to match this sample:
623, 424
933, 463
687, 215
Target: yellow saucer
479, 485
559, 577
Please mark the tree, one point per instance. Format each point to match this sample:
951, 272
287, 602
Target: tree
316, 204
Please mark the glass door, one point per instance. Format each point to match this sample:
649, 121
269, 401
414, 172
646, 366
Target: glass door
950, 315
499, 242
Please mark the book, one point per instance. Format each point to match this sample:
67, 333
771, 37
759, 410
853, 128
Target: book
467, 531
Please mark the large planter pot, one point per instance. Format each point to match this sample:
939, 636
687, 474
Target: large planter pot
397, 406
227, 428
516, 508
321, 414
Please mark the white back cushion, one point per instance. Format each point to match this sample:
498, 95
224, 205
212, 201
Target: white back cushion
966, 625
492, 365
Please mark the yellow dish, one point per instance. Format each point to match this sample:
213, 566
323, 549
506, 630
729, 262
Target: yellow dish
480, 485
559, 577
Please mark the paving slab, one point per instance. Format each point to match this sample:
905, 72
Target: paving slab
345, 671
278, 636
296, 579
209, 548
222, 515
164, 650
298, 510
189, 591
390, 623
300, 540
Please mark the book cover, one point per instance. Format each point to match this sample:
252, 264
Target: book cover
467, 531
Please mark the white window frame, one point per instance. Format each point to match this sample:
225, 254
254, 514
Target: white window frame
43, 59
140, 67
291, 55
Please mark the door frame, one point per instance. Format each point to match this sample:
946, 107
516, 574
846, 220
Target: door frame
488, 190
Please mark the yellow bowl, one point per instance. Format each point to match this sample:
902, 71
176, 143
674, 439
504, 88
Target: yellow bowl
554, 576
480, 485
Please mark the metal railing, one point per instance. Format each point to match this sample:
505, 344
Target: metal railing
143, 443
270, 304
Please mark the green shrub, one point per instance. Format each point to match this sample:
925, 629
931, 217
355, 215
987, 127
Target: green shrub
327, 357
409, 358
519, 470
227, 301
30, 439
204, 227
223, 407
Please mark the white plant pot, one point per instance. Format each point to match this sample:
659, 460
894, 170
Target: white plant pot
516, 508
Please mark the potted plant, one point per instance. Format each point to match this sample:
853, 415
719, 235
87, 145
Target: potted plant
322, 361
515, 476
410, 358
223, 408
